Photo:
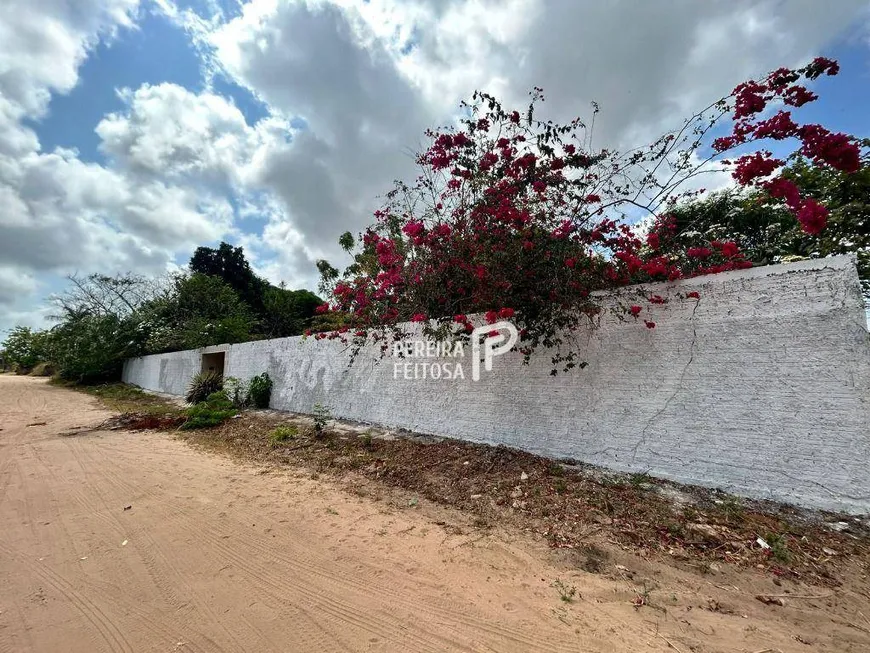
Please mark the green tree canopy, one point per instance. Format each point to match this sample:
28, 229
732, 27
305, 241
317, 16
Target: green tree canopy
24, 347
229, 264
766, 233
200, 311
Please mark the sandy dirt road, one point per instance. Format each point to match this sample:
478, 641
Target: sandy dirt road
118, 541
214, 556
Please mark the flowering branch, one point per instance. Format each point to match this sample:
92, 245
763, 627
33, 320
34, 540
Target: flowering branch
519, 218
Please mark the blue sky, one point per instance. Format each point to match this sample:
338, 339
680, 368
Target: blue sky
134, 131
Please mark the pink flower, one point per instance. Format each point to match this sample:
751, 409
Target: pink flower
418, 317
323, 308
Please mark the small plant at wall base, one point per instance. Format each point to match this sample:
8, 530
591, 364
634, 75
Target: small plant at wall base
321, 415
203, 385
236, 391
519, 218
213, 411
260, 390
282, 434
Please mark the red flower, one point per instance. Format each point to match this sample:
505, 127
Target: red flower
570, 262
441, 230
778, 127
693, 295
460, 318
515, 117
730, 249
592, 198
649, 325
528, 245
491, 316
813, 217
323, 308
489, 159
418, 317
698, 252
784, 189
653, 240
413, 228
751, 166
506, 313
635, 310
797, 96
821, 65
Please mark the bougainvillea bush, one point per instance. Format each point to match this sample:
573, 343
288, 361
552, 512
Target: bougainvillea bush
516, 217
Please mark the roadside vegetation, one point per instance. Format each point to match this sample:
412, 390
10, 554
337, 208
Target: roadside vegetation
102, 320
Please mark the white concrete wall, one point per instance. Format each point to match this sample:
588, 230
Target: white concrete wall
761, 388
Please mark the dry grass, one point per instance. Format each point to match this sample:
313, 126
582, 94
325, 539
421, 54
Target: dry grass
565, 503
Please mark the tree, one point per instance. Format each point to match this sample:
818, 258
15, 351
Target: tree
765, 230
229, 264
519, 218
89, 348
24, 348
99, 294
200, 311
287, 312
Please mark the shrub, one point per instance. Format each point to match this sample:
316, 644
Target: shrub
260, 390
283, 433
320, 414
203, 385
213, 411
24, 348
237, 391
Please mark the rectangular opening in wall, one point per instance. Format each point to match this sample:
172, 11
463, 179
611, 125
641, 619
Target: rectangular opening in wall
213, 362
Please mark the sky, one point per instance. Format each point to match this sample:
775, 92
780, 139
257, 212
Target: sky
134, 131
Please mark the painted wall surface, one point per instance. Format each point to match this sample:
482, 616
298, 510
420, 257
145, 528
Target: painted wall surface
761, 387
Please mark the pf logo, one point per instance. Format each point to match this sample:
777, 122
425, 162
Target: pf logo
495, 343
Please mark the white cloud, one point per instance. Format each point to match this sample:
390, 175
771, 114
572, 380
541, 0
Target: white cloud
60, 214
